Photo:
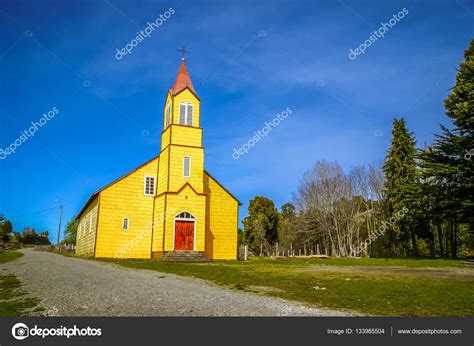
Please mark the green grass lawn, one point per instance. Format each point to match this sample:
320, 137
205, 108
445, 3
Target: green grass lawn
7, 256
378, 262
13, 300
385, 287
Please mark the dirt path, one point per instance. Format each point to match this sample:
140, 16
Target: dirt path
429, 272
77, 287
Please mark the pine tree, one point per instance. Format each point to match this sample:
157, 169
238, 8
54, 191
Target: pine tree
449, 162
400, 173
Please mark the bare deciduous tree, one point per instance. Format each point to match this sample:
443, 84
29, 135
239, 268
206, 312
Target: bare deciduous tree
336, 211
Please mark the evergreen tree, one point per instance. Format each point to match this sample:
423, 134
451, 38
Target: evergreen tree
261, 225
288, 211
449, 162
400, 172
287, 228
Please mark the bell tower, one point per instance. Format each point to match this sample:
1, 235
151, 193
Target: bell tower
182, 153
181, 178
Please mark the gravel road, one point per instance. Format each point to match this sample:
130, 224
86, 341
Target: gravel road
77, 287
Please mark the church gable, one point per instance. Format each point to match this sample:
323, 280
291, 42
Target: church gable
96, 194
130, 198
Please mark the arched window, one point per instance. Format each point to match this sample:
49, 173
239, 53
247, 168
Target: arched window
185, 216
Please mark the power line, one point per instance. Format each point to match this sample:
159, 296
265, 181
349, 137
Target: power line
32, 213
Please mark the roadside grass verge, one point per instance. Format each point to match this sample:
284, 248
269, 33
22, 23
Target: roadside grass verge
7, 256
397, 294
13, 300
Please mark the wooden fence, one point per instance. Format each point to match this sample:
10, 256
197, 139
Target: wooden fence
279, 252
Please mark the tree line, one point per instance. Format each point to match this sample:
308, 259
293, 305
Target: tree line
419, 202
27, 237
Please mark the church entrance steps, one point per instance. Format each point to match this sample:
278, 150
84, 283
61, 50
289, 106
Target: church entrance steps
185, 256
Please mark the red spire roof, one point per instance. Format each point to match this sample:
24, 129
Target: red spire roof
182, 80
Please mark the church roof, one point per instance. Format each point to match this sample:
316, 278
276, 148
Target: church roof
182, 81
222, 186
95, 194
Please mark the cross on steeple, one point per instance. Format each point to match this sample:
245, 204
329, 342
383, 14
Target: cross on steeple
183, 51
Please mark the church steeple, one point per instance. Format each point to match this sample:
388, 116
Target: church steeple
182, 103
182, 80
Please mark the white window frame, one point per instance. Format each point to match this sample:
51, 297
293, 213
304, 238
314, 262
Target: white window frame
184, 167
186, 114
128, 224
167, 115
189, 122
154, 185
90, 222
179, 120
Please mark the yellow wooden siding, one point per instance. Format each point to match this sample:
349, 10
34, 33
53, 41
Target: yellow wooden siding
165, 138
163, 172
126, 199
159, 216
177, 179
222, 214
85, 238
186, 135
186, 96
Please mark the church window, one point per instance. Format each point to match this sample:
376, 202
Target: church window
185, 216
186, 114
90, 222
189, 115
187, 167
149, 186
125, 224
168, 114
182, 114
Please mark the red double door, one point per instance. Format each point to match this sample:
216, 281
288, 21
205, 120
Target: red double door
184, 235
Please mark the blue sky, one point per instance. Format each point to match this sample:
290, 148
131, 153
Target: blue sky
249, 61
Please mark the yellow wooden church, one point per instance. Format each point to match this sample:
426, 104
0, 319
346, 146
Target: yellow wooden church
169, 206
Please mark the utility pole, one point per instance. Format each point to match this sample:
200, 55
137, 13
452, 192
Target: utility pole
60, 219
